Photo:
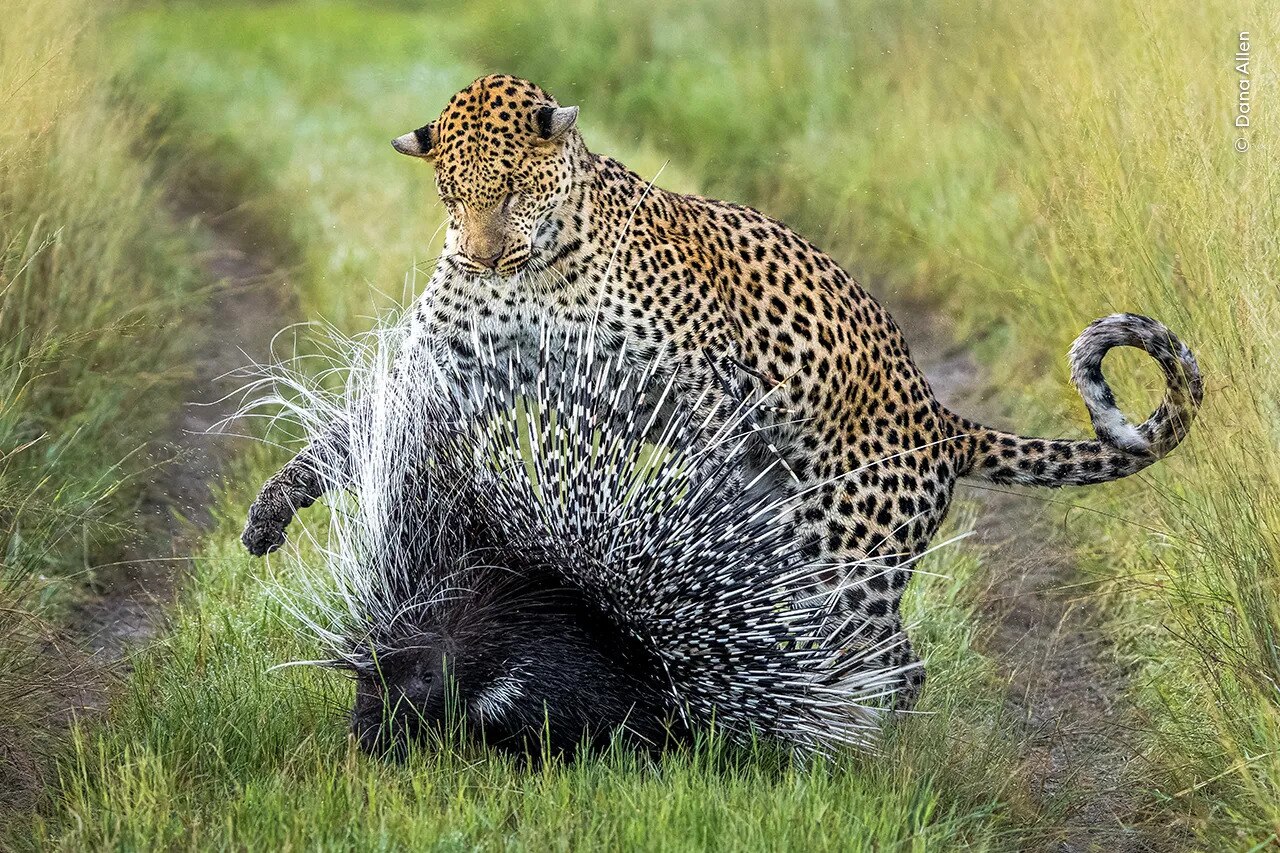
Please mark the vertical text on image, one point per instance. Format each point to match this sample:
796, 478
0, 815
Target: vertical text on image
1244, 91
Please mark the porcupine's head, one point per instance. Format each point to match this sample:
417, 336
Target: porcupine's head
547, 562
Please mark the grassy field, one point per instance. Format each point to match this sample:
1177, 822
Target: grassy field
1025, 167
91, 272
86, 268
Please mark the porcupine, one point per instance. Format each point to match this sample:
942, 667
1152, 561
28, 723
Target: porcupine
540, 573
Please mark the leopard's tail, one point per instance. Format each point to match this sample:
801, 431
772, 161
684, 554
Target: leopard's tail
1121, 448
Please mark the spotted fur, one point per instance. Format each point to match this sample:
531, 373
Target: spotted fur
543, 230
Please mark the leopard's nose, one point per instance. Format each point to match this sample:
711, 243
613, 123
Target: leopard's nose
490, 261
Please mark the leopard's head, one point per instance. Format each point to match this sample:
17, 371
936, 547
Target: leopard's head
505, 157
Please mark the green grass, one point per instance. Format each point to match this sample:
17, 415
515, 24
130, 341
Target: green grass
209, 749
312, 94
93, 285
89, 270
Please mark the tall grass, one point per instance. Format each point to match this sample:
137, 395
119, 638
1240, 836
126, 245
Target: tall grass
1030, 167
90, 293
90, 288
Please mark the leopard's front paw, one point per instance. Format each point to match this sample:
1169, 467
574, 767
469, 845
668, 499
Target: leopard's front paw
264, 531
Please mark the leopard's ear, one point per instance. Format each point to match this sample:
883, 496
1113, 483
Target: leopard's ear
554, 122
417, 143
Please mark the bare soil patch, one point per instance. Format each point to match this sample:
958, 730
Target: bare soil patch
248, 304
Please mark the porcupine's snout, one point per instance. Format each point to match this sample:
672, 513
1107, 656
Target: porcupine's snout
399, 698
375, 726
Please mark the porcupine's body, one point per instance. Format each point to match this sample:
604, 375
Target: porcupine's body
539, 576
543, 232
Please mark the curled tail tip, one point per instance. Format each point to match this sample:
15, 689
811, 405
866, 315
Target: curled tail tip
1184, 383
1142, 332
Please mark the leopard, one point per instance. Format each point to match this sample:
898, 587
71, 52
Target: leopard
541, 230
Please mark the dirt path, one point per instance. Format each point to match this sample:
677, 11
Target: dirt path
1065, 688
248, 304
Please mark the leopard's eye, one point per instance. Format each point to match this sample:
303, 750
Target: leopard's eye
450, 202
510, 201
